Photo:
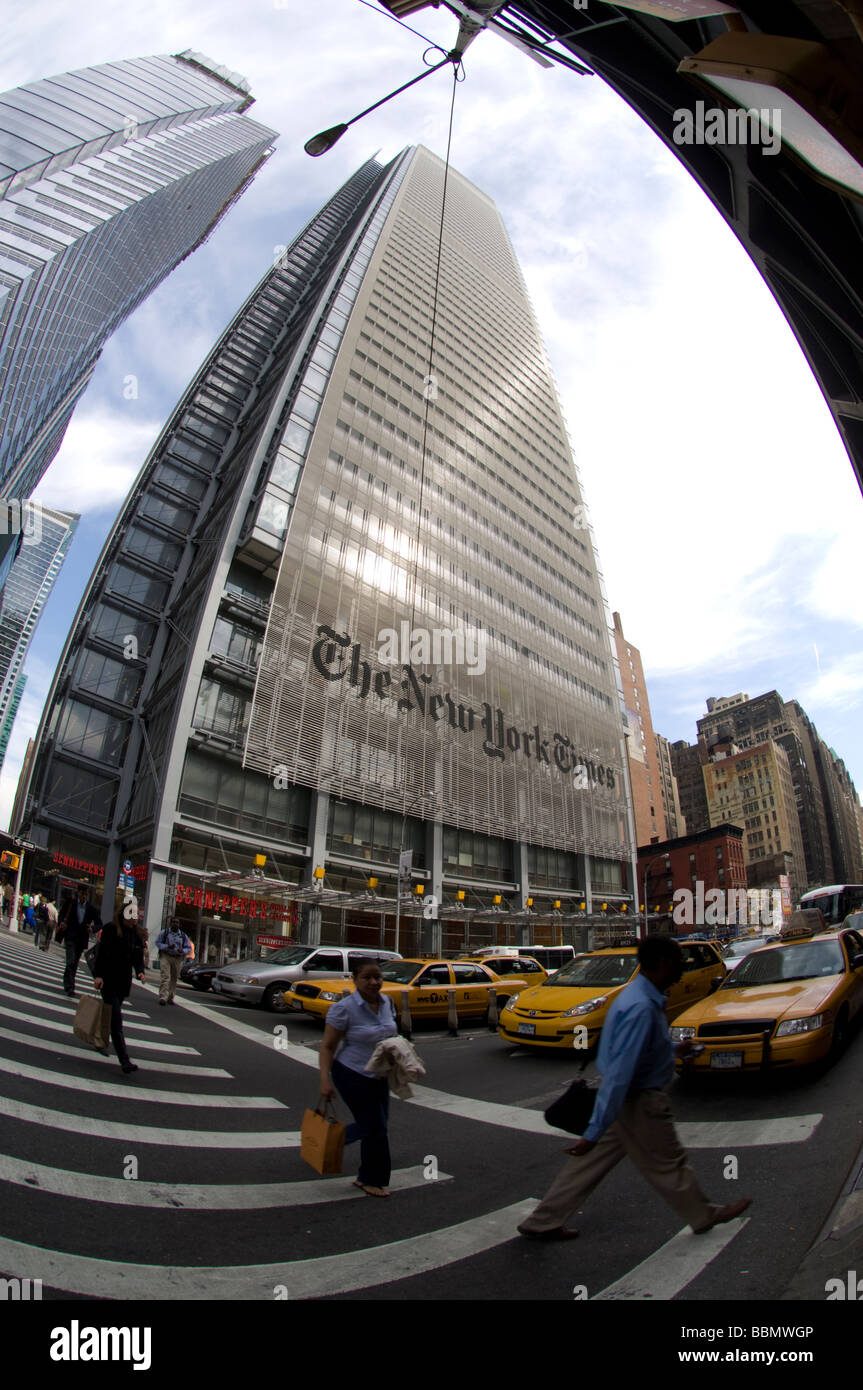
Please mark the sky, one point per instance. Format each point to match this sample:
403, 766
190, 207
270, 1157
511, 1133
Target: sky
724, 508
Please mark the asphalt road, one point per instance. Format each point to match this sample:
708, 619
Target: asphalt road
185, 1180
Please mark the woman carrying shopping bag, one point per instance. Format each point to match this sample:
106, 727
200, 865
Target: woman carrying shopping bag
359, 1022
120, 952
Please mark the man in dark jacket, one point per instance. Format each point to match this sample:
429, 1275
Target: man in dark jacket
77, 918
119, 953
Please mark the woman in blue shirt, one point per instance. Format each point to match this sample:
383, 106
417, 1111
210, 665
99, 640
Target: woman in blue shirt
359, 1022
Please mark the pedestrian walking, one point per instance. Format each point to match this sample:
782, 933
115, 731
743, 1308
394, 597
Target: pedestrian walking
173, 945
43, 924
359, 1022
8, 897
77, 917
29, 920
631, 1114
120, 952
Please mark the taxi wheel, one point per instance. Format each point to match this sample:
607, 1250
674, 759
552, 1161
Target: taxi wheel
274, 999
840, 1034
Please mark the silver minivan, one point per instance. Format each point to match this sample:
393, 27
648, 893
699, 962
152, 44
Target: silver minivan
265, 981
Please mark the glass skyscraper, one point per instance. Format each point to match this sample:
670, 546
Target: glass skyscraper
9, 715
352, 610
46, 536
109, 177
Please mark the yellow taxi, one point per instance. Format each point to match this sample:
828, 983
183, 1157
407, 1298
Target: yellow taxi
427, 983
785, 1005
579, 996
522, 969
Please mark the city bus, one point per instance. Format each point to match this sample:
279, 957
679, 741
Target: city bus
836, 900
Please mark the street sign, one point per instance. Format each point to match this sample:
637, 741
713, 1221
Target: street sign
406, 861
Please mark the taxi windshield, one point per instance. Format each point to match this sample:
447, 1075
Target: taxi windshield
595, 970
772, 967
398, 972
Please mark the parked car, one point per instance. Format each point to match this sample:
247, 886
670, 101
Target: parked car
427, 983
199, 976
525, 969
265, 981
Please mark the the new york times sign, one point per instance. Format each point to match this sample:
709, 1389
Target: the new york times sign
335, 658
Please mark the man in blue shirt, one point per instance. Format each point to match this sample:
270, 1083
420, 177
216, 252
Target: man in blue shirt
632, 1114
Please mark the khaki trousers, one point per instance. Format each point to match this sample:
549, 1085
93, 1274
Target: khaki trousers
169, 971
645, 1130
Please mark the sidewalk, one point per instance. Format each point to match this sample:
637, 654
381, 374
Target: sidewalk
838, 1251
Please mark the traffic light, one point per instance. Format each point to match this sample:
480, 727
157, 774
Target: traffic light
8, 860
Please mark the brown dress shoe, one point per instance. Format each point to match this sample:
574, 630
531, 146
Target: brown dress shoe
727, 1213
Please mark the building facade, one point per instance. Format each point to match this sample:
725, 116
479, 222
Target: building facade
644, 770
675, 821
9, 715
47, 535
109, 177
753, 788
825, 796
352, 616
702, 863
687, 761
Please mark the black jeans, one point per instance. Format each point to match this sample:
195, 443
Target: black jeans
116, 1002
73, 955
368, 1099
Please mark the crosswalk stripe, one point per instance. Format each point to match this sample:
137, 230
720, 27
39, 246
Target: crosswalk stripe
51, 966
78, 1049
69, 1012
115, 1088
674, 1265
145, 1134
141, 1044
695, 1135
196, 1196
301, 1279
747, 1134
52, 995
293, 1052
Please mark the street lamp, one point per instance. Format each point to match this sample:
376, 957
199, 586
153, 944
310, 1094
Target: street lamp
319, 144
648, 867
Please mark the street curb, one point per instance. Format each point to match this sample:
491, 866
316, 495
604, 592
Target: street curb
838, 1247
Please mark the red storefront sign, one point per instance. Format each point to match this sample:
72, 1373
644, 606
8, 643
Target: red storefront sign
212, 901
83, 866
69, 861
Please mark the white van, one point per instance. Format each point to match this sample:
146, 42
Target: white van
265, 981
551, 958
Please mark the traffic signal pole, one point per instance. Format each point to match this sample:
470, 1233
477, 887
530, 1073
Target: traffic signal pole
16, 896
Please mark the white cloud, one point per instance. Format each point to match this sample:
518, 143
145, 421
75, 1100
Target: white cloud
99, 460
840, 686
